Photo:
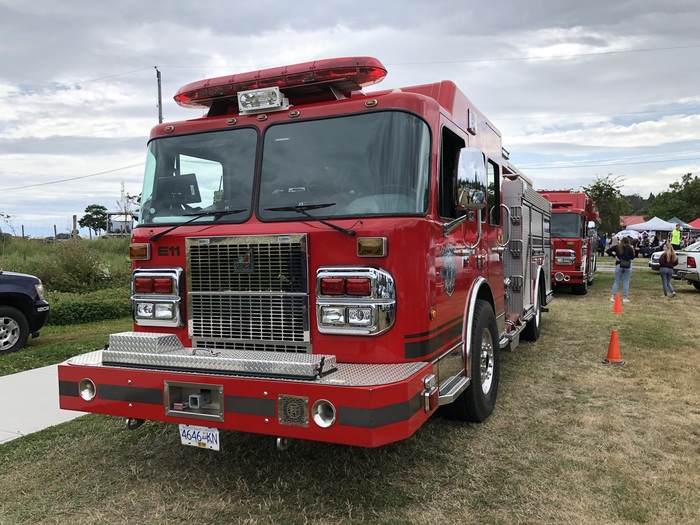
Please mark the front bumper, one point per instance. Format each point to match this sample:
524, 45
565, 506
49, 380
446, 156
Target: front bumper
567, 276
375, 404
40, 312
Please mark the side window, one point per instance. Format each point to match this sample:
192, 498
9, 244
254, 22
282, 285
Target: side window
450, 146
493, 198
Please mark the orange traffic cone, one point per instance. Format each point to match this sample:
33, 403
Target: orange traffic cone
617, 309
613, 351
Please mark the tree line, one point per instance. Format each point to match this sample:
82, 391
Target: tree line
682, 200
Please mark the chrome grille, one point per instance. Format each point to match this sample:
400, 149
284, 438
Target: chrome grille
248, 293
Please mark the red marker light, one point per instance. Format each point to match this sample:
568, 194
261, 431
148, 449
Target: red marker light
358, 286
143, 285
162, 285
332, 286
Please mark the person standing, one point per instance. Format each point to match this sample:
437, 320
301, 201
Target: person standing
676, 237
623, 253
667, 261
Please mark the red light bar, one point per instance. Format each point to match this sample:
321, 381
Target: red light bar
362, 71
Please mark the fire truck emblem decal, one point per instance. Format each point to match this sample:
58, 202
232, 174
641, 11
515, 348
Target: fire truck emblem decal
449, 269
244, 263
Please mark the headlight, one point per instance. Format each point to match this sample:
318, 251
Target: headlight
565, 257
332, 315
355, 301
156, 296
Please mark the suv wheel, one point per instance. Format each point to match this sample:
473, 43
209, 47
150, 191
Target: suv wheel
14, 329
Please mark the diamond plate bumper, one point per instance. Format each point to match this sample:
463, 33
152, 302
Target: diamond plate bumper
166, 352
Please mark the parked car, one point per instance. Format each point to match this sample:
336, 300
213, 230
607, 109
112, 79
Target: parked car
23, 310
688, 268
654, 260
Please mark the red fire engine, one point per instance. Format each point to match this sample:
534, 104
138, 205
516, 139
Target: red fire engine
316, 262
574, 238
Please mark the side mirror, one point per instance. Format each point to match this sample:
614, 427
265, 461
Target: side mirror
471, 179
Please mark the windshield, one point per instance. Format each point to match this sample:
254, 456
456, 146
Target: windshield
695, 247
371, 164
194, 173
567, 225
358, 165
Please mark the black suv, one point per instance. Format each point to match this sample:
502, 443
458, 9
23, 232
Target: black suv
23, 310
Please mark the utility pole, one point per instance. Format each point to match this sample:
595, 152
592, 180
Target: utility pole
160, 97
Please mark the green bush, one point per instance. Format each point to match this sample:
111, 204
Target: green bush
78, 265
73, 266
73, 308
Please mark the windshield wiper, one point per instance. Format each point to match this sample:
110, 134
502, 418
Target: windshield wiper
217, 214
302, 208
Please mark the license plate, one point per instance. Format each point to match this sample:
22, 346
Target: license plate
201, 437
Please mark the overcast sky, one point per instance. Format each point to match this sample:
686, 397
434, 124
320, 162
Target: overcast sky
578, 89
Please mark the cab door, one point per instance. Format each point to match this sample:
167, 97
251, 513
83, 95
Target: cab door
496, 232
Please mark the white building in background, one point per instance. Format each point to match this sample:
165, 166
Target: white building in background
121, 223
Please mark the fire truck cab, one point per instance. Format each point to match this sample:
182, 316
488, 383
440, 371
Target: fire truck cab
318, 262
575, 220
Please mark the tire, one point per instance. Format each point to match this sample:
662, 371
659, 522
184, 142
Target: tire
14, 329
580, 289
532, 329
697, 285
477, 402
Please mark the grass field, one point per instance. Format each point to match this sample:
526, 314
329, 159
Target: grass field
57, 343
572, 441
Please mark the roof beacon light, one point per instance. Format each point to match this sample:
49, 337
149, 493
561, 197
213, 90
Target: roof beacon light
347, 74
257, 100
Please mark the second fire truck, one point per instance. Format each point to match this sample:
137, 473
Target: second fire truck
317, 262
575, 220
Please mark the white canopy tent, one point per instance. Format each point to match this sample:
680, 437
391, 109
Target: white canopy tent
654, 224
628, 233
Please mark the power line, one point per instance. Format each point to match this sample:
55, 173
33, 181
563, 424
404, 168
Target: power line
73, 178
53, 88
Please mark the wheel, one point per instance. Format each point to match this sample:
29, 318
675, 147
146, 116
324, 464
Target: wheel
477, 402
580, 289
697, 285
532, 329
14, 329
